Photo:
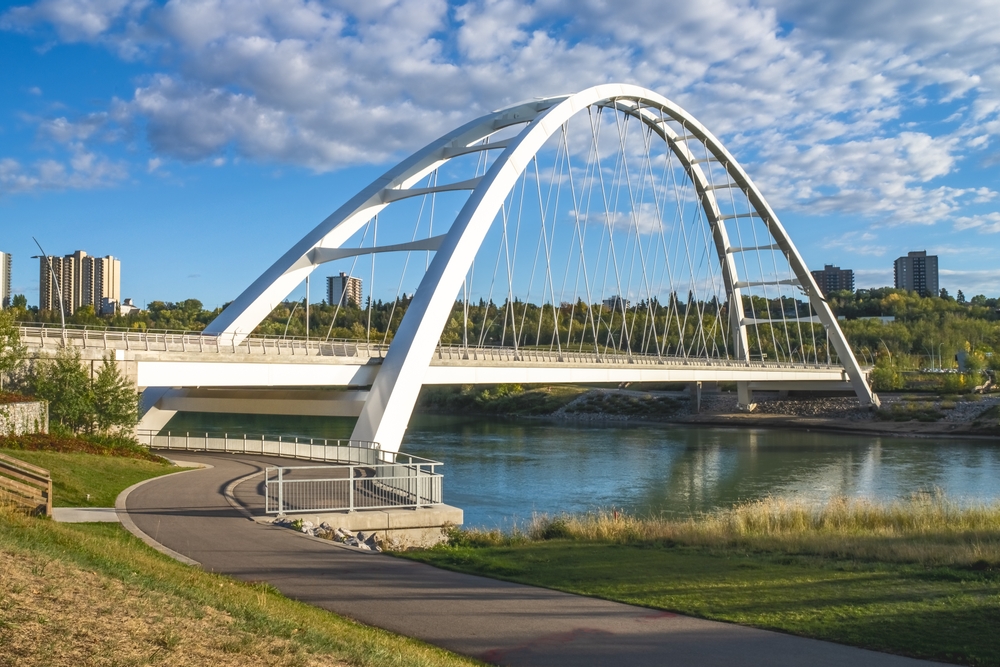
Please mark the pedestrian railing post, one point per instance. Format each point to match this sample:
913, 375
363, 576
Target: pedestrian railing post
281, 492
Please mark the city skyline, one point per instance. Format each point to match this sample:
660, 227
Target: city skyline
140, 130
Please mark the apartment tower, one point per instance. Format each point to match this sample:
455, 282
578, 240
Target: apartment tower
83, 281
917, 272
343, 290
834, 279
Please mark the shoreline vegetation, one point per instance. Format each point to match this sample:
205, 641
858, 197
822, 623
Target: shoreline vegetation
901, 413
917, 577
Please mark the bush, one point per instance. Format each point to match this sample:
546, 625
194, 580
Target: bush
108, 404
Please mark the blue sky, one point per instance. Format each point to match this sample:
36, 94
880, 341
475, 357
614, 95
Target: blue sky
198, 139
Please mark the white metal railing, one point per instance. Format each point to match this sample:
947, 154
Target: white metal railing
42, 336
357, 452
533, 355
165, 341
409, 482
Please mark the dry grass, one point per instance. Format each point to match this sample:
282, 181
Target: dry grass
53, 613
91, 594
927, 528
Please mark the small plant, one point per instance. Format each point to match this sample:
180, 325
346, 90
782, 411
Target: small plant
167, 639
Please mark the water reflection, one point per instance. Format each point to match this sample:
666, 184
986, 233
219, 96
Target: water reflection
499, 471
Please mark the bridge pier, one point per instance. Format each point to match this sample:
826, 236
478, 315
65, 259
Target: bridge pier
744, 397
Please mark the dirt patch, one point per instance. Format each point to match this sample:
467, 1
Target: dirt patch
56, 614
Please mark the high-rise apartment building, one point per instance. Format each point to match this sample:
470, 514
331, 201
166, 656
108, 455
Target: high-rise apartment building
83, 281
834, 279
343, 289
917, 272
4, 280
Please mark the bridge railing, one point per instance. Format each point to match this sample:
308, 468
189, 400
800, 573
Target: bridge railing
151, 340
546, 356
165, 341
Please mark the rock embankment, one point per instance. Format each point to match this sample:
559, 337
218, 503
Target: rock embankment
364, 541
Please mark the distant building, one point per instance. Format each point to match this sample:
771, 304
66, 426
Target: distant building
4, 280
616, 303
917, 272
834, 279
127, 307
83, 281
343, 289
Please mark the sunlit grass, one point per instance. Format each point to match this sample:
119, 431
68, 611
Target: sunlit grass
928, 529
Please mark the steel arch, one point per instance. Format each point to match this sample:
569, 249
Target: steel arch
395, 389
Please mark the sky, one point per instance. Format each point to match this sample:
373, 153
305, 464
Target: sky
197, 140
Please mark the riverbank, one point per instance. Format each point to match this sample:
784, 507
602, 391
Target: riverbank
917, 577
905, 414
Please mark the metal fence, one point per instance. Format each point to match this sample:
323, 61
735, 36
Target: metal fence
411, 483
363, 477
358, 452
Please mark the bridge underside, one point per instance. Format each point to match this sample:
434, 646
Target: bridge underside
281, 389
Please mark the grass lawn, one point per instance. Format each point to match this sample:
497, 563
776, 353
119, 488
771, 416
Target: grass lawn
73, 594
930, 587
75, 475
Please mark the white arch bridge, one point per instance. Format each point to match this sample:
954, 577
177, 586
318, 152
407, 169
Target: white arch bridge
603, 236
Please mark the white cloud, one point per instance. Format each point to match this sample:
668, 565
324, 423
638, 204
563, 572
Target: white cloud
856, 243
811, 95
988, 223
82, 170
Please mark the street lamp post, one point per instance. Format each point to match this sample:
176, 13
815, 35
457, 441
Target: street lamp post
62, 312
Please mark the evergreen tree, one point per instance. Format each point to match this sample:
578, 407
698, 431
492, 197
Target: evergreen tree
64, 383
11, 349
116, 401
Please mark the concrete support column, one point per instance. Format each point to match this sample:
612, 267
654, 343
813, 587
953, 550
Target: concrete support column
744, 397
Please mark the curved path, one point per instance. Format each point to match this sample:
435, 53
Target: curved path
496, 621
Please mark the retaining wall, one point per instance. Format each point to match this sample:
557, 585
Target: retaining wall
23, 418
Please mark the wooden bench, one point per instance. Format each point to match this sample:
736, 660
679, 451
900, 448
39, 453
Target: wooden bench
26, 485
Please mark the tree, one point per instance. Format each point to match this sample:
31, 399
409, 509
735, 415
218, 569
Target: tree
116, 401
960, 297
11, 350
65, 384
19, 301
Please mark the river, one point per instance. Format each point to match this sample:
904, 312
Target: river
501, 471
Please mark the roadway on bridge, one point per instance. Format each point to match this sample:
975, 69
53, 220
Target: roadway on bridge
496, 621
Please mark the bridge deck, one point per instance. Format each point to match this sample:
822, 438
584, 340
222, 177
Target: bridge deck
167, 359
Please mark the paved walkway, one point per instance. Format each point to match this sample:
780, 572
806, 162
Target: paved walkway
496, 621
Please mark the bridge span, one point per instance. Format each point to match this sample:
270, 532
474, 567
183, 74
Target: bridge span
606, 236
274, 373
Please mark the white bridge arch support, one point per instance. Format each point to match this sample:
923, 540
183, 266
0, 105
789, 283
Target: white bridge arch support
407, 363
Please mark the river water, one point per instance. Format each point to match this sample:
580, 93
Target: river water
502, 471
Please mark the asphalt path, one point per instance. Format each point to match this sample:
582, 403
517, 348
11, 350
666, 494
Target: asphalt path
495, 621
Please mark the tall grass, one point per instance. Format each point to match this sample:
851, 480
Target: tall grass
926, 528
